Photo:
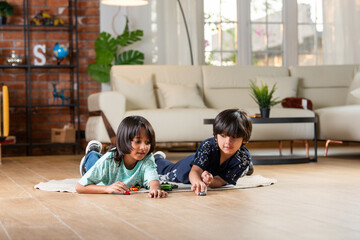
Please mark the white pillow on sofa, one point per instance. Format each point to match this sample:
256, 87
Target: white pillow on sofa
180, 96
285, 86
356, 92
353, 95
139, 93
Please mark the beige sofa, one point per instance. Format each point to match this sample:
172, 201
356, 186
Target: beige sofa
176, 99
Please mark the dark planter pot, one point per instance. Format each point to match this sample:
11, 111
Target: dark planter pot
3, 20
265, 112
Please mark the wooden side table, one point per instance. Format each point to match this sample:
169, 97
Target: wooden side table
6, 140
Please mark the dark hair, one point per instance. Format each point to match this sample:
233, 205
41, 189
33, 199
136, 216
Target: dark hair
128, 129
233, 122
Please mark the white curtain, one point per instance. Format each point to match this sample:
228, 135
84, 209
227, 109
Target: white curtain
341, 35
170, 40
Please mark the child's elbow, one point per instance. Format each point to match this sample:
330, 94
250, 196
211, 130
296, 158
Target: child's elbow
79, 188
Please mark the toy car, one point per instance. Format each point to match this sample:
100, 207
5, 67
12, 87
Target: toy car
126, 193
166, 187
134, 189
202, 193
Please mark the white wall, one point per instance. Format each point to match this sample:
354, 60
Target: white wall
165, 38
113, 19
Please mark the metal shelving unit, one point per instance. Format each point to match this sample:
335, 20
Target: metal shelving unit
73, 66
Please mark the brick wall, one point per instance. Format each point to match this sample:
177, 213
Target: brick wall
42, 80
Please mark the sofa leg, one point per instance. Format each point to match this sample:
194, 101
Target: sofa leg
327, 145
307, 148
280, 148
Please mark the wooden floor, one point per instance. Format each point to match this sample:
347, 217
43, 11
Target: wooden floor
310, 201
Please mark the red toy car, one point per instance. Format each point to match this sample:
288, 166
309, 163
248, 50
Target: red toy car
134, 189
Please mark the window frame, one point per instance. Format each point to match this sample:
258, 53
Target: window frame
244, 54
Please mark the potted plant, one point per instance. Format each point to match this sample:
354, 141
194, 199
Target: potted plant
6, 10
263, 97
106, 49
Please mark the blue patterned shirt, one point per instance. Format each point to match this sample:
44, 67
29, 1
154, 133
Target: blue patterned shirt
207, 157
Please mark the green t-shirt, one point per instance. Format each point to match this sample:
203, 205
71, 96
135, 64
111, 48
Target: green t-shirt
106, 172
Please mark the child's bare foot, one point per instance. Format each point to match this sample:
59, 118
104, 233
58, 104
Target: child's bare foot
206, 177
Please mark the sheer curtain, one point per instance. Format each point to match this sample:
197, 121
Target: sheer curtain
169, 37
341, 35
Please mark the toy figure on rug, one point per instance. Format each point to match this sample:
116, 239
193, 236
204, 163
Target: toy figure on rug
130, 163
219, 160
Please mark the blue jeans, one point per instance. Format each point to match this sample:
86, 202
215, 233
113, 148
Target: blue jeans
90, 159
175, 172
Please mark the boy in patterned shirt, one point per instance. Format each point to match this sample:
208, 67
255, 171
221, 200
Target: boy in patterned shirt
219, 160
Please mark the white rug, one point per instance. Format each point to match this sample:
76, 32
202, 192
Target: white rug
68, 185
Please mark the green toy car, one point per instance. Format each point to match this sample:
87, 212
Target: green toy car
166, 187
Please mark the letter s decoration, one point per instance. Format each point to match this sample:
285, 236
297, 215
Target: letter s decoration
39, 57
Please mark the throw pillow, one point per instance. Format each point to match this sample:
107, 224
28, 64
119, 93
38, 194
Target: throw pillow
353, 93
180, 96
356, 93
285, 86
139, 93
297, 102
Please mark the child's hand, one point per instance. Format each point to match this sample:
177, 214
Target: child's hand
198, 187
207, 177
117, 187
157, 193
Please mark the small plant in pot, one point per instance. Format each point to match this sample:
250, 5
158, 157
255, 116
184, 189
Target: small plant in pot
263, 97
6, 10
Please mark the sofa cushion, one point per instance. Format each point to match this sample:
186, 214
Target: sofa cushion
339, 123
317, 83
285, 86
139, 92
179, 124
229, 87
179, 96
354, 92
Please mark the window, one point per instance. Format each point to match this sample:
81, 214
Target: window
220, 18
310, 29
266, 20
253, 32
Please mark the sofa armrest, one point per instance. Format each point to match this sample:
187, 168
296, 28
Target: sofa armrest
111, 103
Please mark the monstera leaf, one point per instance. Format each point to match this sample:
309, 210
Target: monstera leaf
130, 57
101, 73
106, 48
127, 37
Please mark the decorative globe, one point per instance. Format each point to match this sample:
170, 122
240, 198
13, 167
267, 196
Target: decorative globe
60, 51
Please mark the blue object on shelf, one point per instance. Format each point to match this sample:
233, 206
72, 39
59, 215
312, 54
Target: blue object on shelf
60, 51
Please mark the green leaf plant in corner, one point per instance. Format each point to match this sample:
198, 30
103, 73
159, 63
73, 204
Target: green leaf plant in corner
106, 48
262, 96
